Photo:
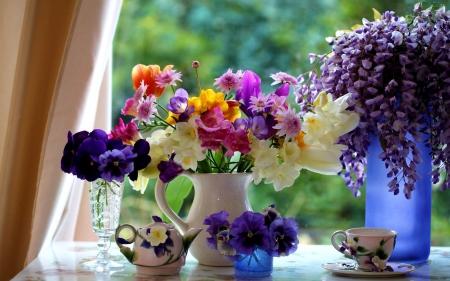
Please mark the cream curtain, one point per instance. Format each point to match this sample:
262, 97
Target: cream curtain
55, 67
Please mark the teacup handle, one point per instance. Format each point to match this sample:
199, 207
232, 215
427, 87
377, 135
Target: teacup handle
337, 246
160, 196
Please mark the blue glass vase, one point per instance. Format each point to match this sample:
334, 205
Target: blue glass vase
410, 218
258, 264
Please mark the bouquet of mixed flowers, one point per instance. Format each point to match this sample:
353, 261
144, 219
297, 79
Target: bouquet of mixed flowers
95, 155
237, 130
397, 71
250, 231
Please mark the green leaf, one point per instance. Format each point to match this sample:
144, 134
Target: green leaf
382, 242
128, 253
204, 166
177, 190
379, 252
361, 249
356, 239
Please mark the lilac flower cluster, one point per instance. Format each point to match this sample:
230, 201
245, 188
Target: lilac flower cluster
267, 231
398, 72
92, 155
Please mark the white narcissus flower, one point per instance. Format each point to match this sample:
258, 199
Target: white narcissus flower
157, 235
283, 176
381, 264
189, 157
315, 126
186, 133
290, 153
141, 182
257, 147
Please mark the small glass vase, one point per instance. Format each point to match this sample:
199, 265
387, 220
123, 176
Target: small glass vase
257, 265
105, 199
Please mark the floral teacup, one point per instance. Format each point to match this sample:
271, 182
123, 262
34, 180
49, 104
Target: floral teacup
369, 247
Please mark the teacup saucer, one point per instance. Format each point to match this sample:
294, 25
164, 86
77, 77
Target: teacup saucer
350, 269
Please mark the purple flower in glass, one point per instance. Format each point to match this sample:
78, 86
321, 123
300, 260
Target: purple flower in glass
249, 233
115, 164
283, 237
71, 147
84, 167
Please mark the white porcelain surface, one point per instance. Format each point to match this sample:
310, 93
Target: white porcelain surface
62, 261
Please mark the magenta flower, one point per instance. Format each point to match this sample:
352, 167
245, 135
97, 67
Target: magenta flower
229, 80
251, 87
236, 140
128, 133
129, 108
213, 128
260, 104
289, 123
168, 77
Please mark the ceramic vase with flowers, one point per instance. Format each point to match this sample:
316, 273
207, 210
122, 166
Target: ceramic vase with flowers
252, 240
221, 135
103, 162
397, 71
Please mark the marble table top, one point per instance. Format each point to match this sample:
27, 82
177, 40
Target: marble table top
62, 261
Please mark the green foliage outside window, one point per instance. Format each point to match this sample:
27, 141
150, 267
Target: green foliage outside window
265, 36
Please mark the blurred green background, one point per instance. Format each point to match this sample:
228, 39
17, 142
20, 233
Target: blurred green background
265, 36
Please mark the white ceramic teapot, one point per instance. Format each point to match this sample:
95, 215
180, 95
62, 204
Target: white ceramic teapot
159, 248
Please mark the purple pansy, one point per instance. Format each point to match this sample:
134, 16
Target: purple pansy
84, 166
283, 237
249, 232
215, 222
73, 142
115, 164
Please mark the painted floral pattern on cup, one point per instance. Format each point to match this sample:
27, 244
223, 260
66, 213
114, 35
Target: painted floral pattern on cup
377, 258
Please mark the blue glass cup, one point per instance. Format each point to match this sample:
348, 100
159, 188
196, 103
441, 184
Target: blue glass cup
257, 265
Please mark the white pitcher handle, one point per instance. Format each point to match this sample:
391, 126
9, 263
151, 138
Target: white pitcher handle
160, 196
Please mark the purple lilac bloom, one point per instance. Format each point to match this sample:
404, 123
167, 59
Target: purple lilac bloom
71, 147
393, 71
249, 233
283, 237
115, 164
142, 150
169, 169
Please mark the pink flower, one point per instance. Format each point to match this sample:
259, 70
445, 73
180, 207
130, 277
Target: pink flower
128, 133
237, 140
289, 123
282, 77
260, 104
168, 77
229, 80
129, 108
213, 129
147, 109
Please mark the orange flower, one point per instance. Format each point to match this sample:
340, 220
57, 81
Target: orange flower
148, 74
233, 111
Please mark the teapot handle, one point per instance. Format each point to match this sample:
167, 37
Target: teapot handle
160, 196
126, 251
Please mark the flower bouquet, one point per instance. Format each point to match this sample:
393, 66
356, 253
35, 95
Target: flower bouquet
252, 239
237, 130
104, 162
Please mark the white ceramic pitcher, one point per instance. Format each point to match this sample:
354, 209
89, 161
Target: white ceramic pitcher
213, 193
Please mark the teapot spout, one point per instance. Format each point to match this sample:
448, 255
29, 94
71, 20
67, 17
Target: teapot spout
189, 236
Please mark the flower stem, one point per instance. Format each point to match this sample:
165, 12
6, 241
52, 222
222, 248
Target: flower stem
198, 81
164, 121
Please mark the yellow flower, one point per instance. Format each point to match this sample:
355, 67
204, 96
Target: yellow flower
233, 111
